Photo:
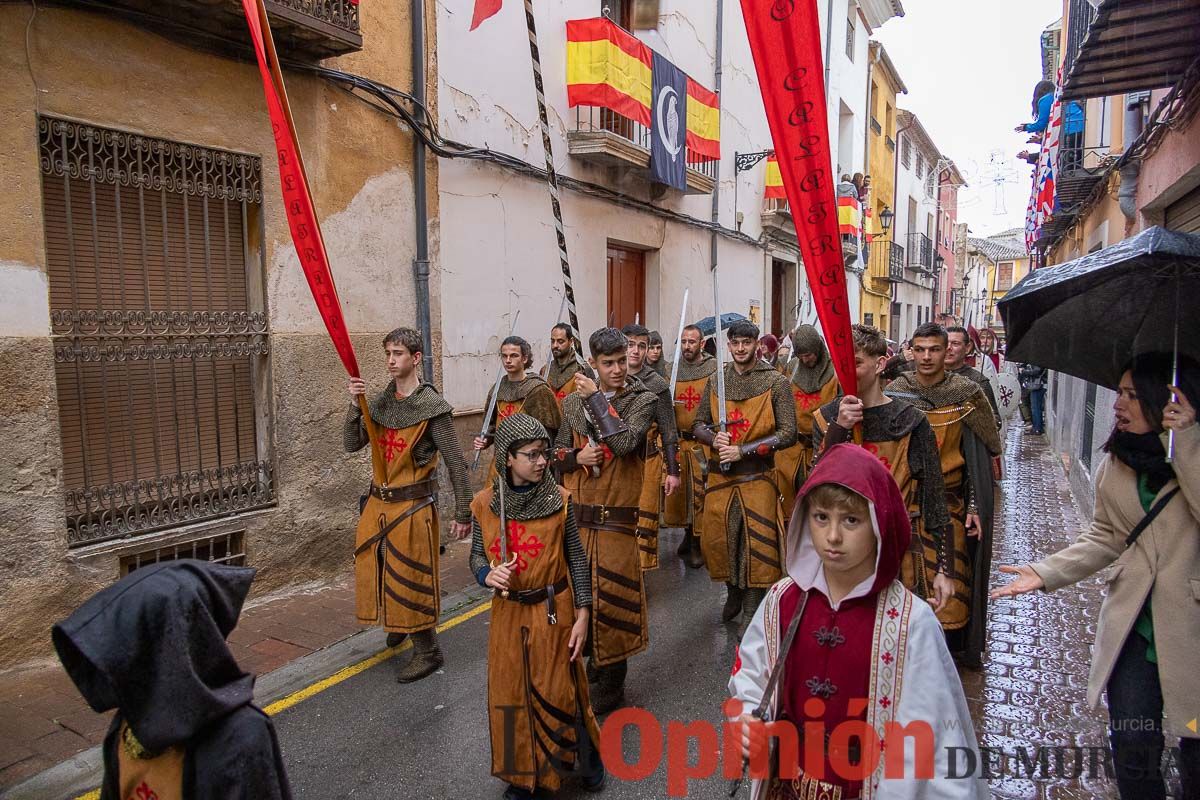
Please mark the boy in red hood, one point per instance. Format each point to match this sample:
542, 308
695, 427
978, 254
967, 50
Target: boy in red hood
866, 650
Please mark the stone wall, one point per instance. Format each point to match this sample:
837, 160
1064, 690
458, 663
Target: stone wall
93, 67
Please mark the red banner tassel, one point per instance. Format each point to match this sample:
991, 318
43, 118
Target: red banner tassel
785, 41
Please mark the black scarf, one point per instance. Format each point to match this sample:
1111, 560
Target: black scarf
1144, 454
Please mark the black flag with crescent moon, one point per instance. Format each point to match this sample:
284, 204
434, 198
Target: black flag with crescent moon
668, 124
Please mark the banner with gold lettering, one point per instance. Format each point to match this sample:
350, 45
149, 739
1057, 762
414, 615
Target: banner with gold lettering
785, 41
297, 199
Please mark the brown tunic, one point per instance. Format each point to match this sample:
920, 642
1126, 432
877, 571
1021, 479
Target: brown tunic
685, 507
156, 778
535, 692
793, 463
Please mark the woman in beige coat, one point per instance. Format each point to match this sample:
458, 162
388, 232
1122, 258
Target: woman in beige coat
1147, 650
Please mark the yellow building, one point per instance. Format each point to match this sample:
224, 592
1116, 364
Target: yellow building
885, 84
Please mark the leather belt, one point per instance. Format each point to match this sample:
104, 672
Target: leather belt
531, 597
748, 465
651, 450
386, 527
622, 519
413, 491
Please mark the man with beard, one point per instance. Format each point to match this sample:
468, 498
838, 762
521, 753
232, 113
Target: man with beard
396, 574
813, 383
742, 531
560, 372
962, 420
662, 445
898, 435
604, 430
958, 348
521, 392
684, 509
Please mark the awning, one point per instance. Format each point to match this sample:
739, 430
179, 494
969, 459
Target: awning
1135, 45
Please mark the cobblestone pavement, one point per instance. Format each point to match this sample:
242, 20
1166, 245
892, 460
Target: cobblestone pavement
1032, 689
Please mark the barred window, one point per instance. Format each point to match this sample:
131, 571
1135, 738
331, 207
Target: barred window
905, 152
154, 255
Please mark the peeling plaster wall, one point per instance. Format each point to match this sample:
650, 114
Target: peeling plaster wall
94, 67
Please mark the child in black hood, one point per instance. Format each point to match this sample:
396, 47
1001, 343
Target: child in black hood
153, 647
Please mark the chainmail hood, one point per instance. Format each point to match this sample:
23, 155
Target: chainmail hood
392, 412
953, 390
806, 339
635, 397
561, 370
762, 377
689, 371
512, 391
653, 381
545, 498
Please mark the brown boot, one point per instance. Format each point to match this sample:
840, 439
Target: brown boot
426, 659
733, 603
686, 544
610, 690
694, 557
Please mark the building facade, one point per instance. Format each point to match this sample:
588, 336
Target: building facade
171, 390
915, 226
1137, 164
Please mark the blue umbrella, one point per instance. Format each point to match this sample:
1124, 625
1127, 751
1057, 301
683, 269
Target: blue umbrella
708, 325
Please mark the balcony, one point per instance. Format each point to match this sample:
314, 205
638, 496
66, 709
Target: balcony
777, 222
886, 264
607, 139
920, 253
307, 30
1125, 46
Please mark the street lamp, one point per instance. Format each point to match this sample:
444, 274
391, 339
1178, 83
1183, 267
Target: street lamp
885, 219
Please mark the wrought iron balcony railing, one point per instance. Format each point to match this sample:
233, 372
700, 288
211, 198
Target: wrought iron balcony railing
303, 29
604, 137
920, 253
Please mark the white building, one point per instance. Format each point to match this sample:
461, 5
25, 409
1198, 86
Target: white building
915, 225
634, 248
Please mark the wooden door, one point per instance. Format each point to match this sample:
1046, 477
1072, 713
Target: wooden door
778, 274
626, 285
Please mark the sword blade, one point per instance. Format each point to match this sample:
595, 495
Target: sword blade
500, 481
678, 341
491, 407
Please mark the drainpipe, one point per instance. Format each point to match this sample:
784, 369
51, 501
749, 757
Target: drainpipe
828, 43
420, 262
1127, 195
716, 193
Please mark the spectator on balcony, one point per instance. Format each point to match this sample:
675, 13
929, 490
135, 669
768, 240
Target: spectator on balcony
1072, 141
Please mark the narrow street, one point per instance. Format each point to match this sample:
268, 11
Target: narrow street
363, 737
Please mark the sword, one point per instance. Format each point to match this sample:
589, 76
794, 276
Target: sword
678, 343
487, 415
722, 417
504, 559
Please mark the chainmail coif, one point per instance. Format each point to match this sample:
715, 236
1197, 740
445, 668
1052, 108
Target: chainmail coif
545, 498
806, 339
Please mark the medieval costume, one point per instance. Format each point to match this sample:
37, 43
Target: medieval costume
659, 365
531, 395
684, 508
742, 532
965, 428
899, 435
153, 647
811, 387
607, 509
662, 448
539, 715
560, 375
396, 578
968, 371
878, 649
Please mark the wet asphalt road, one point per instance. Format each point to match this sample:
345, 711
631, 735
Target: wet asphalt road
371, 737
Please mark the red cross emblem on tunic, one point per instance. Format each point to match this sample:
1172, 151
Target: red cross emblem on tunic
873, 449
393, 444
737, 425
519, 545
690, 398
608, 453
561, 394
507, 410
805, 400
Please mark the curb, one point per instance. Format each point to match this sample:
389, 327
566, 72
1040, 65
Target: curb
83, 772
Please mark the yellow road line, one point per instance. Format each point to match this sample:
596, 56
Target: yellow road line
300, 695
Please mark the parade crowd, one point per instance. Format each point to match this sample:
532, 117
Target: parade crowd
852, 533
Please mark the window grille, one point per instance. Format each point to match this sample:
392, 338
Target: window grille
226, 548
160, 341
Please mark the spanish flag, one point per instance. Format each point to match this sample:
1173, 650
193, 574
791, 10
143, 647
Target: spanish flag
610, 68
849, 216
774, 190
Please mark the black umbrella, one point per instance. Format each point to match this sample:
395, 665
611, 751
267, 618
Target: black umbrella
1091, 316
708, 325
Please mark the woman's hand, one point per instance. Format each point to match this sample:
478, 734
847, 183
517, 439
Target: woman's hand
579, 632
1027, 581
1179, 414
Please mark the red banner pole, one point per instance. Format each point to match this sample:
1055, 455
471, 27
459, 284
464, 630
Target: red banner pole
298, 204
785, 41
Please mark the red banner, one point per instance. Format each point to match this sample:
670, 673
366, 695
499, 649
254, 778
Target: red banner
302, 217
785, 40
